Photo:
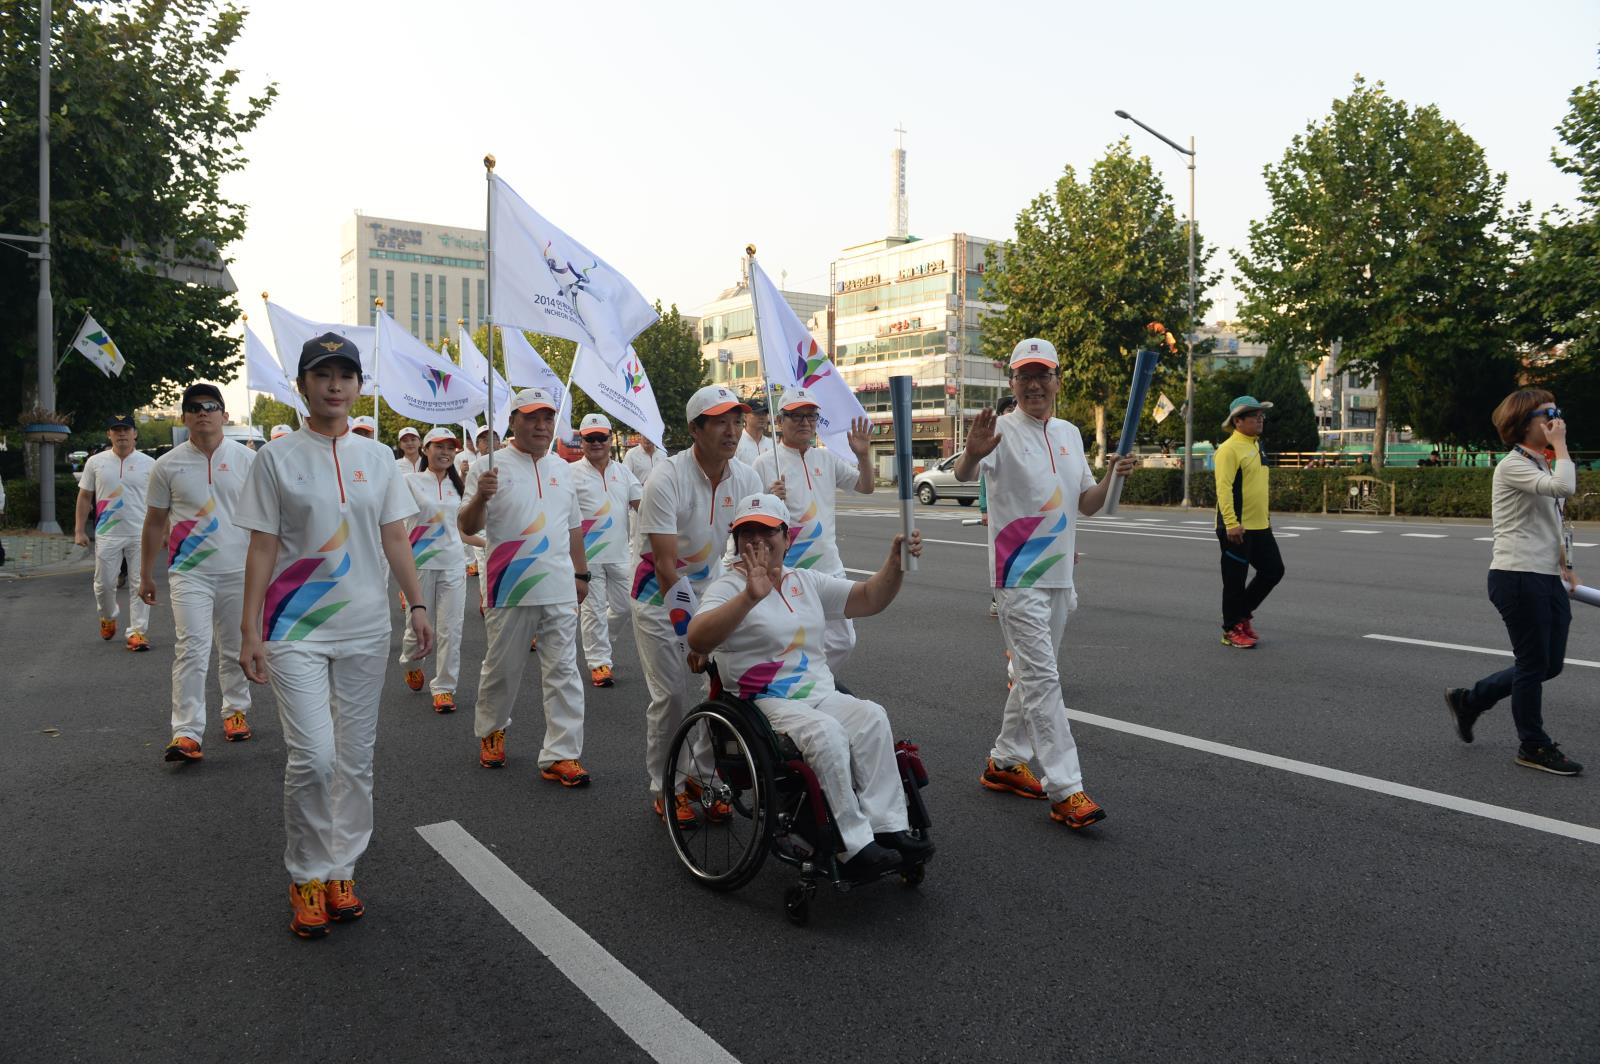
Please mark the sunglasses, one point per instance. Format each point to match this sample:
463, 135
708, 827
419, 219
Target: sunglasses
1549, 413
205, 406
810, 418
596, 437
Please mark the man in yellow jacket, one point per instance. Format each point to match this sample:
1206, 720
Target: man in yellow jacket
1244, 528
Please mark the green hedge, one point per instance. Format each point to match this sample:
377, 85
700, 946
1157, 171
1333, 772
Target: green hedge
22, 502
1422, 492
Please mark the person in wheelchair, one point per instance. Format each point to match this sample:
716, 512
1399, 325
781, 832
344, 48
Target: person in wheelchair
765, 623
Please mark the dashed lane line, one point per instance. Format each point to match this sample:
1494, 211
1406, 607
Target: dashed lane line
1424, 535
1496, 651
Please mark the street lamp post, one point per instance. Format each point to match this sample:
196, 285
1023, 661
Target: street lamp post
1188, 404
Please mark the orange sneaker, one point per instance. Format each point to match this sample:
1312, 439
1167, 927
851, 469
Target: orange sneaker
601, 677
340, 901
183, 748
137, 642
414, 679
108, 628
1076, 810
533, 645
472, 570
566, 773
444, 702
492, 749
1018, 779
235, 728
682, 810
308, 913
716, 810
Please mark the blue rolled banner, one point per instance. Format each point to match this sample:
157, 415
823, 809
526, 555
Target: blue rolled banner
1144, 368
900, 408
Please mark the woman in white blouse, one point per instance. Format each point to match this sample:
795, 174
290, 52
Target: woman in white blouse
436, 546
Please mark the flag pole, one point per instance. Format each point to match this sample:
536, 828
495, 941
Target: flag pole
766, 382
377, 429
488, 313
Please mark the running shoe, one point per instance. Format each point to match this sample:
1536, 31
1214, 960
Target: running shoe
235, 728
108, 628
994, 609
308, 912
492, 749
717, 810
472, 570
601, 677
1456, 699
1238, 638
533, 644
414, 679
339, 899
183, 748
566, 773
1547, 759
682, 810
1076, 810
1018, 779
444, 702
137, 642
1249, 629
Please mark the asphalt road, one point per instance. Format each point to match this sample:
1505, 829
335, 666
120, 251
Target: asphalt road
1225, 911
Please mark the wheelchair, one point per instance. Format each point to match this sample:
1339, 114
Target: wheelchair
760, 798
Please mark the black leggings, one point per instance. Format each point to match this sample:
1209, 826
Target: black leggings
1260, 551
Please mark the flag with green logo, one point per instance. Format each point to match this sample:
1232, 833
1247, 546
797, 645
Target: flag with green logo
93, 344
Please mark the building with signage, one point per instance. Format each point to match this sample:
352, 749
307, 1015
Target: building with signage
427, 275
727, 327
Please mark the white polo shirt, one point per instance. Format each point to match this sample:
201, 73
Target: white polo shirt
776, 651
325, 498
201, 496
435, 535
1034, 479
118, 486
406, 466
750, 449
810, 478
528, 525
641, 465
603, 501
680, 500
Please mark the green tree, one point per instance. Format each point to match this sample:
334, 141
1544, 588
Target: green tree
1292, 423
1386, 233
1092, 263
146, 121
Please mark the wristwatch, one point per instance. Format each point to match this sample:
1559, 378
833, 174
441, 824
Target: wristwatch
582, 576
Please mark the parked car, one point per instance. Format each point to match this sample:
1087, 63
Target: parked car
940, 482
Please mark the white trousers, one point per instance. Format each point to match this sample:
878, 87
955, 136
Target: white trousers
206, 609
108, 559
1034, 725
848, 744
328, 694
674, 690
444, 592
604, 608
510, 629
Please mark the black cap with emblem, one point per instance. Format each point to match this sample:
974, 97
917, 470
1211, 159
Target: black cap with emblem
319, 349
121, 421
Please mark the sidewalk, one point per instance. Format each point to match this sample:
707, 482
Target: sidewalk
36, 554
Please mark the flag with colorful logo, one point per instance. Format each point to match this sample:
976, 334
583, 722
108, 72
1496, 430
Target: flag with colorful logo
547, 282
264, 374
624, 393
418, 382
290, 332
1163, 408
792, 359
93, 344
476, 367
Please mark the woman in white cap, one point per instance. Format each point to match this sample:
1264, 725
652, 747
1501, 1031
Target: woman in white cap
365, 426
436, 544
325, 508
607, 495
410, 460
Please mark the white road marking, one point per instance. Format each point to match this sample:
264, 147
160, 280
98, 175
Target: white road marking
1424, 535
955, 542
1157, 520
1496, 651
1303, 528
1580, 832
642, 1014
1199, 522
1485, 539
1583, 544
1361, 531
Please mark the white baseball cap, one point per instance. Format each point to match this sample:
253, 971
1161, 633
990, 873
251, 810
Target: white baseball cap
478, 435
794, 398
364, 422
712, 400
530, 399
767, 510
596, 423
1034, 351
409, 431
280, 430
438, 434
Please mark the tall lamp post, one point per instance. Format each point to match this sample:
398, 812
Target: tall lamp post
1188, 405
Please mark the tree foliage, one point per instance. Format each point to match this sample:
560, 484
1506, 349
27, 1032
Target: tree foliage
1292, 422
1386, 233
146, 121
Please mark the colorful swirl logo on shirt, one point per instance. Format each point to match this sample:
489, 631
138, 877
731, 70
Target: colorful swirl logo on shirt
509, 562
300, 600
595, 529
771, 679
108, 512
646, 582
429, 538
810, 366
186, 545
1019, 558
805, 540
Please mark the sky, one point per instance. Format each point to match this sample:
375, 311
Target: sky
667, 136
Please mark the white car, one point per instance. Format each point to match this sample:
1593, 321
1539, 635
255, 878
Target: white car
940, 482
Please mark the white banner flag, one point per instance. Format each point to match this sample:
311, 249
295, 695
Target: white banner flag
1163, 408
93, 344
547, 282
623, 393
476, 367
526, 368
418, 382
793, 359
264, 374
290, 332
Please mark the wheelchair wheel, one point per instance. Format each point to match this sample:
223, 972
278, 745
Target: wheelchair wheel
715, 758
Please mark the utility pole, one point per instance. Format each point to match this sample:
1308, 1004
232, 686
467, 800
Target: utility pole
46, 353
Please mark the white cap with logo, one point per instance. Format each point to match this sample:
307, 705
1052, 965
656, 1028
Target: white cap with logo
439, 434
364, 423
767, 510
794, 398
409, 430
1034, 351
530, 399
712, 400
596, 424
280, 430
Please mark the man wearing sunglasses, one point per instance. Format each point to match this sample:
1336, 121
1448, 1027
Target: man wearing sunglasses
607, 495
194, 491
1244, 527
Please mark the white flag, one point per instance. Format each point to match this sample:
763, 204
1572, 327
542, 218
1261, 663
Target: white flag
290, 332
418, 382
264, 374
526, 368
793, 359
476, 367
547, 282
93, 344
1163, 408
623, 393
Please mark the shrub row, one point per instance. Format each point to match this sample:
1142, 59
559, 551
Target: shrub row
22, 502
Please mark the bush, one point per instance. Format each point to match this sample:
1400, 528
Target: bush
22, 502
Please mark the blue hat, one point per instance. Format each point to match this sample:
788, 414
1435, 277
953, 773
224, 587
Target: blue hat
1242, 405
319, 349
